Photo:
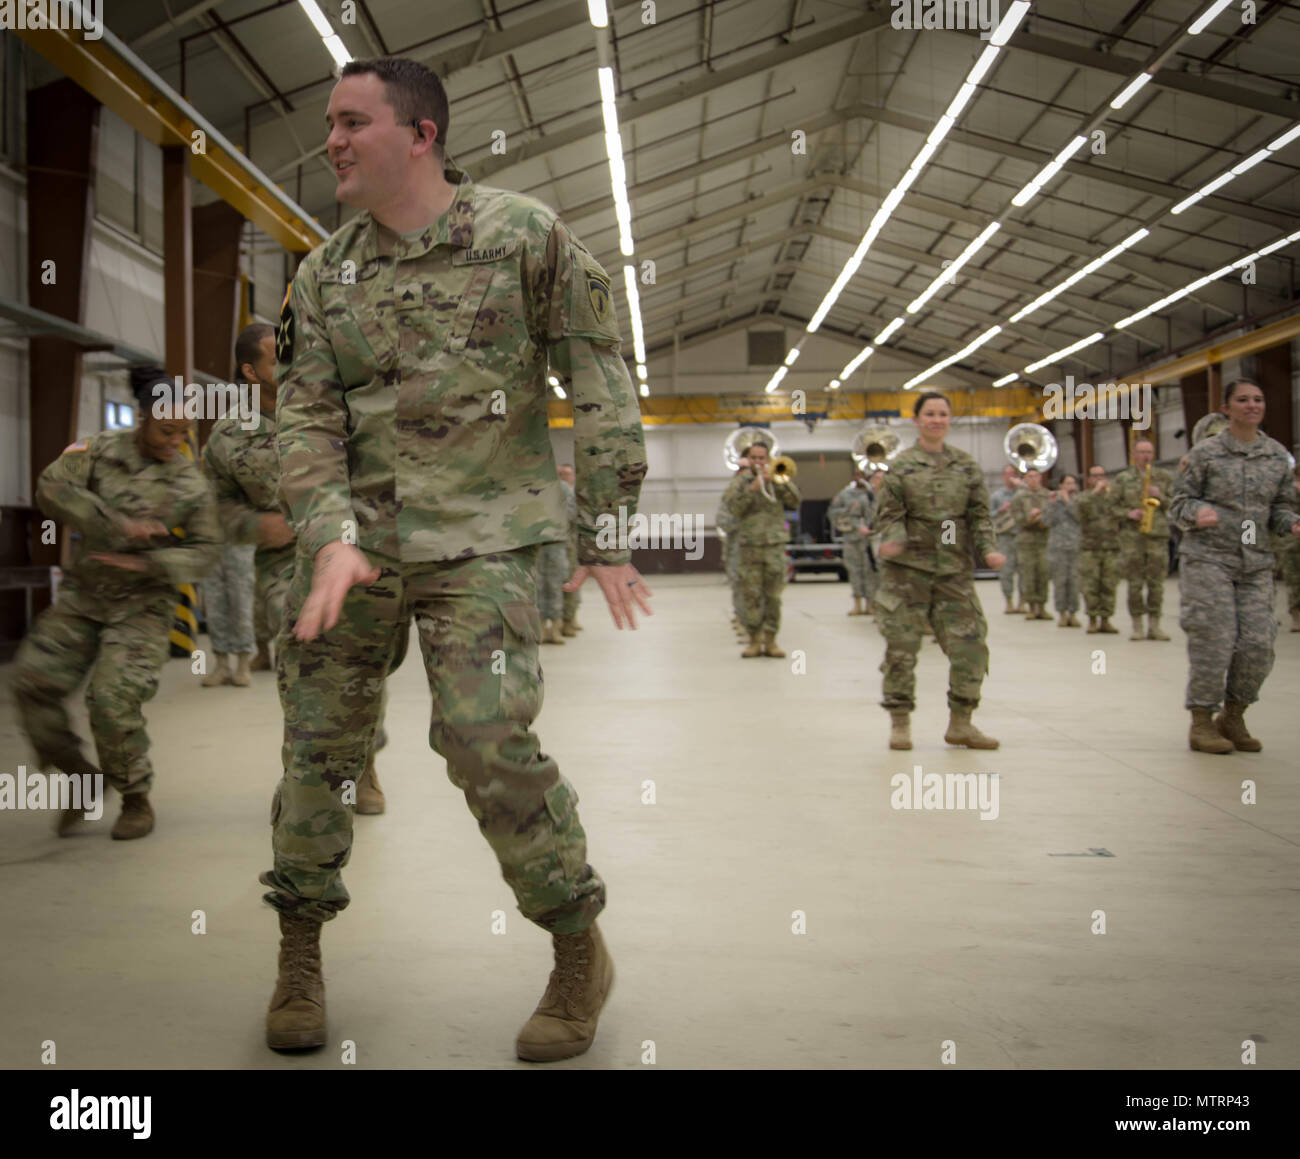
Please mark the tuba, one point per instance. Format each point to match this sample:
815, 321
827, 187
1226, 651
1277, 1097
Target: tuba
874, 447
1030, 446
743, 437
1209, 425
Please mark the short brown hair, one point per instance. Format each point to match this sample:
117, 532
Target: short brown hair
415, 92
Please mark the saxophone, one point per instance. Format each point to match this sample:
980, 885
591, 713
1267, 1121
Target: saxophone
1149, 504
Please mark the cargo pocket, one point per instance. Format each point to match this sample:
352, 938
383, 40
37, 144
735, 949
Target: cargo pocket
890, 601
521, 678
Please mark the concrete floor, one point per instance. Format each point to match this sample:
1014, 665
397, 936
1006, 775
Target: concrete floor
773, 796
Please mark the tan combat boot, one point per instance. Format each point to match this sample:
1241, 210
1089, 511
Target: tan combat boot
1093, 626
962, 732
74, 764
564, 1023
1231, 725
1073, 621
262, 661
296, 1017
857, 607
1019, 609
551, 633
1138, 631
1063, 620
1204, 737
220, 673
755, 646
241, 678
770, 648
1043, 613
370, 797
868, 608
567, 628
1153, 631
1107, 627
900, 729
577, 627
136, 818
1010, 609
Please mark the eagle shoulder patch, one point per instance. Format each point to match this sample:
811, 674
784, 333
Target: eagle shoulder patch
591, 313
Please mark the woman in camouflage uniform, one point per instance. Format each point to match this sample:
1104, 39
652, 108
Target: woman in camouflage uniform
933, 508
1235, 490
148, 522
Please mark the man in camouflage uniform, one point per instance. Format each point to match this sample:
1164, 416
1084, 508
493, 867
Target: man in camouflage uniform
1004, 526
1063, 539
759, 505
1029, 510
147, 523
1098, 552
1143, 559
1286, 570
552, 572
1232, 494
419, 476
728, 525
244, 467
228, 609
572, 599
850, 516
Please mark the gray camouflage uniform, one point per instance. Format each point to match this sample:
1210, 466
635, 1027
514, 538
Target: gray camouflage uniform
1004, 527
852, 509
1063, 541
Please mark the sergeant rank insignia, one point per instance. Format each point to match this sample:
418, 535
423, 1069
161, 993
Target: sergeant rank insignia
598, 292
284, 336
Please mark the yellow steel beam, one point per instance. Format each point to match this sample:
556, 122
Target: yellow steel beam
1010, 403
116, 78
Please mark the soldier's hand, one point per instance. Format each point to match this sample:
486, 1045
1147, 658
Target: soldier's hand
864, 530
1134, 513
337, 568
1295, 528
1035, 513
1154, 492
143, 528
623, 587
995, 560
1208, 517
273, 530
120, 559
889, 550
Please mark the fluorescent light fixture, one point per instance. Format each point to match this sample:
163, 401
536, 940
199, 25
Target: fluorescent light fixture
834, 384
927, 151
948, 274
790, 358
317, 17
1129, 90
1284, 140
1005, 379
605, 78
965, 350
981, 66
906, 180
891, 201
597, 14
559, 391
1221, 180
883, 336
645, 391
338, 50
640, 372
776, 379
857, 360
1003, 32
940, 130
1192, 200
634, 309
552, 380
1205, 17
1080, 274
964, 94
1251, 161
1051, 358
1027, 194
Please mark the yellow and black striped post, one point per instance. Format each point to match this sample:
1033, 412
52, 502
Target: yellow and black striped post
185, 622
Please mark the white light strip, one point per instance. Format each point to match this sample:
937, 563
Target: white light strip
981, 66
1251, 161
596, 13
790, 358
317, 17
1127, 93
1003, 32
1198, 25
947, 275
1051, 358
883, 336
634, 311
1079, 275
834, 384
1241, 167
1284, 140
857, 360
1006, 378
559, 391
776, 379
965, 350
640, 371
1048, 171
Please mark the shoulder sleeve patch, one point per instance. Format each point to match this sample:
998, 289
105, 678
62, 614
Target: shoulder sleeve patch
591, 302
284, 335
80, 445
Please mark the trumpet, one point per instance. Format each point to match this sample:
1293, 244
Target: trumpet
784, 469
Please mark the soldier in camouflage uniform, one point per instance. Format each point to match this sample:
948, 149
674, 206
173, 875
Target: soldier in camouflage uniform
228, 608
552, 571
850, 516
417, 468
572, 599
728, 525
244, 467
147, 523
1063, 540
1235, 490
1098, 552
759, 506
1286, 571
1143, 559
1004, 527
1029, 510
933, 509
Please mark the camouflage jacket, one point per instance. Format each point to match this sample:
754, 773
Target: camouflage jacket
1064, 534
1004, 522
937, 507
760, 521
100, 482
1126, 494
725, 521
413, 395
1249, 485
1098, 521
570, 512
850, 510
1025, 502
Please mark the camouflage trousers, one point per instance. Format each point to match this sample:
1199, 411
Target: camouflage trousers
1288, 561
228, 600
1228, 617
1010, 569
1031, 559
731, 560
478, 630
906, 600
762, 578
274, 568
1144, 562
124, 639
572, 599
1065, 580
1099, 579
862, 577
552, 571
